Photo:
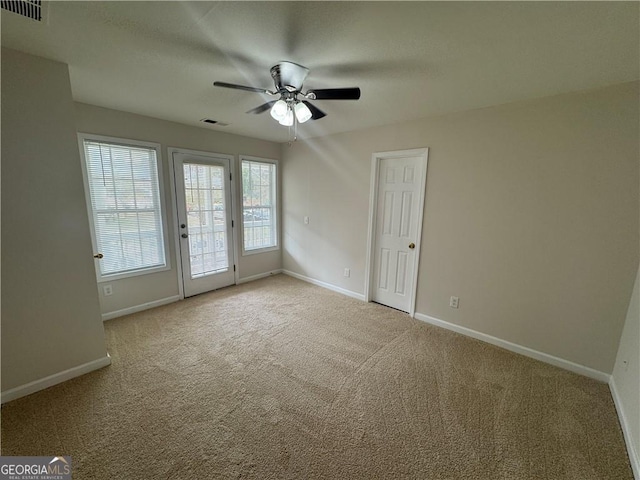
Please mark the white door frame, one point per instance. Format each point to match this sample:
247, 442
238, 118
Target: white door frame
174, 203
376, 158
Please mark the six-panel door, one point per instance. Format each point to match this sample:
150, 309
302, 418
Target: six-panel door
397, 224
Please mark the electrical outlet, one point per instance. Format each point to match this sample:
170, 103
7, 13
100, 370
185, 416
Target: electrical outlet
453, 302
306, 220
107, 290
347, 272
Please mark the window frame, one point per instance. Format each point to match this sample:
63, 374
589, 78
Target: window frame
161, 196
275, 207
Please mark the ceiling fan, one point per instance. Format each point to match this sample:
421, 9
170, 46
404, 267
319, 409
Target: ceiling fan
288, 78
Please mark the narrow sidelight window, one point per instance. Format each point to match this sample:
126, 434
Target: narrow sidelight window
259, 213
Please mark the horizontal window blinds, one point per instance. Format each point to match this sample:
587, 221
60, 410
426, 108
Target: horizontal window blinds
259, 205
126, 208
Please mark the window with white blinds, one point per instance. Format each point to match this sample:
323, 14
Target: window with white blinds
259, 221
123, 183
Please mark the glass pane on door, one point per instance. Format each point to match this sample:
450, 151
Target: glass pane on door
206, 219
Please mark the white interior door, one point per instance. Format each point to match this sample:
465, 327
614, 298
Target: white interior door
203, 198
398, 224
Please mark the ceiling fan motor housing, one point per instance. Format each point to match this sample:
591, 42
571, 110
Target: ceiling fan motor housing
288, 77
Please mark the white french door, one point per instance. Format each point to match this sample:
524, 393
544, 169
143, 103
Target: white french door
399, 183
203, 201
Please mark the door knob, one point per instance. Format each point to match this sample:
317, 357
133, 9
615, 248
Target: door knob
98, 255
184, 235
412, 245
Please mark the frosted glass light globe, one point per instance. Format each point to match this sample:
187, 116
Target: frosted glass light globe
279, 110
302, 112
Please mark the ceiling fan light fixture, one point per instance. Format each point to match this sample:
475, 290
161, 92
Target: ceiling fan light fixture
279, 110
287, 120
287, 109
302, 112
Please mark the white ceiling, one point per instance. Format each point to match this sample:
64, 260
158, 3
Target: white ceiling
410, 59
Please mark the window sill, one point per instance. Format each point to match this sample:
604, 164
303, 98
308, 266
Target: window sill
246, 253
135, 273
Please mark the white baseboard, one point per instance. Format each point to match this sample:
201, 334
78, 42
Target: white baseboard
514, 347
328, 286
54, 379
139, 308
258, 276
626, 430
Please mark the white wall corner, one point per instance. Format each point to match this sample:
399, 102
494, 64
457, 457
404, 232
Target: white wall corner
626, 429
139, 308
56, 378
328, 286
514, 347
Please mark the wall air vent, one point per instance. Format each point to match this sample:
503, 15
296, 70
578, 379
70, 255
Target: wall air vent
27, 8
214, 122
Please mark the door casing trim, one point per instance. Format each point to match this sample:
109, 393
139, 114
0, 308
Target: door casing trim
376, 158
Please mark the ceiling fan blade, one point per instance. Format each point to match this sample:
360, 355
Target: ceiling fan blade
262, 108
336, 93
240, 87
316, 113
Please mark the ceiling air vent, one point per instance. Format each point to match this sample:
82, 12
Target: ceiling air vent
27, 8
213, 122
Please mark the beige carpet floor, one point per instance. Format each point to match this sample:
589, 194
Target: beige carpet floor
281, 379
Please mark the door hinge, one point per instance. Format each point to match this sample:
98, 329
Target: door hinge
234, 268
231, 176
231, 223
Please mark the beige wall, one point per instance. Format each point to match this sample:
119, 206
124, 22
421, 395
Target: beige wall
134, 291
626, 373
50, 311
531, 217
